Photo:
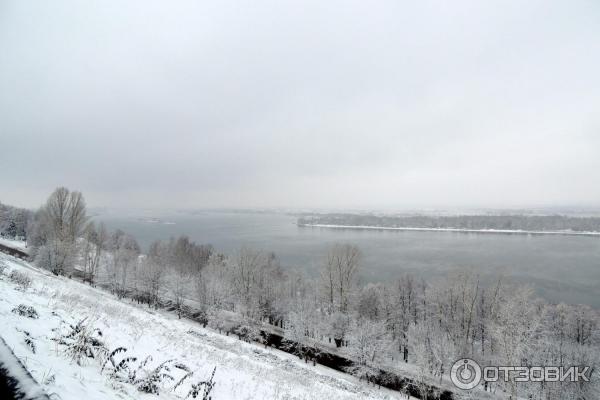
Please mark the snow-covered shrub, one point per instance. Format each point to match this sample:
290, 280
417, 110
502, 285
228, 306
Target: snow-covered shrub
29, 341
147, 380
203, 388
21, 279
340, 324
26, 311
219, 324
56, 256
368, 346
151, 380
202, 317
48, 378
82, 342
188, 374
120, 371
248, 331
362, 371
2, 267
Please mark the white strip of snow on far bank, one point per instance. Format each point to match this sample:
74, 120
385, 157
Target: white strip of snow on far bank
505, 231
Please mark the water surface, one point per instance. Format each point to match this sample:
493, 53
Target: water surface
560, 268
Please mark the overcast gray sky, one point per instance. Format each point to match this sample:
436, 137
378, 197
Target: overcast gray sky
301, 104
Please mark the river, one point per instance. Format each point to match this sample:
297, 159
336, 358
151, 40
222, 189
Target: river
560, 268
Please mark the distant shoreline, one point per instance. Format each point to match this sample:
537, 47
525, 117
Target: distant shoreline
459, 230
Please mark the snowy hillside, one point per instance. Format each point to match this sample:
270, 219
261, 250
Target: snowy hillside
243, 371
15, 244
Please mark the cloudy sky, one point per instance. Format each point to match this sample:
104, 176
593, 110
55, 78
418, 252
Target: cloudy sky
301, 104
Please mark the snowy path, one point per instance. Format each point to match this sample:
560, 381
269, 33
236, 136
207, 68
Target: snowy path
15, 244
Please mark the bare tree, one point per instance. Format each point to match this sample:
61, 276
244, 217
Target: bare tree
57, 256
339, 327
515, 329
245, 274
152, 275
124, 252
65, 214
94, 245
214, 286
299, 328
180, 284
339, 273
60, 223
188, 256
369, 343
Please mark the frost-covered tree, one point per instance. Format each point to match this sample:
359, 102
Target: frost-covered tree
214, 288
65, 214
302, 328
339, 273
59, 223
188, 256
369, 344
56, 256
152, 275
94, 244
14, 222
124, 254
180, 286
339, 327
369, 302
515, 329
245, 270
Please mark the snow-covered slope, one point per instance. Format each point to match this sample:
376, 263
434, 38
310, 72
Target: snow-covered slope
243, 371
15, 244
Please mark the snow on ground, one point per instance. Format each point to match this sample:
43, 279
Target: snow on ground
19, 381
243, 371
15, 244
463, 230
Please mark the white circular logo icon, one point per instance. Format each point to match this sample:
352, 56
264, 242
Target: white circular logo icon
465, 374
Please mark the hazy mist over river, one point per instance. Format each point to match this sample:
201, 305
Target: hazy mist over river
560, 268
